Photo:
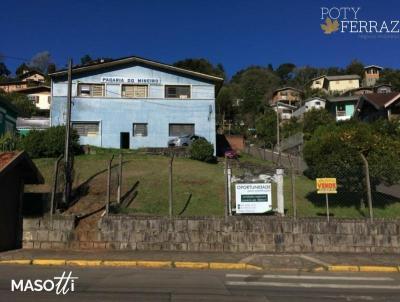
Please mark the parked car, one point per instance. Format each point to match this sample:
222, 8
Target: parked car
185, 140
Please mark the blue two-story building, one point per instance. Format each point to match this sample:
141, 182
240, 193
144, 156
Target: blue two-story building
134, 102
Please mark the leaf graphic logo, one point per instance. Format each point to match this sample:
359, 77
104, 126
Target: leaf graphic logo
329, 26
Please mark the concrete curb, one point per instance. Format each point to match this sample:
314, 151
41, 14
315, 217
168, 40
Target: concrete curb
134, 263
359, 268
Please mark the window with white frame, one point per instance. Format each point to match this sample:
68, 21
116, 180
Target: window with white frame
34, 98
139, 129
91, 90
181, 129
177, 91
86, 128
134, 91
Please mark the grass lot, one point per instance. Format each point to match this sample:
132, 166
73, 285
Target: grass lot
206, 184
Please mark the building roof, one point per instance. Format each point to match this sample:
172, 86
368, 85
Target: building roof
342, 77
22, 162
287, 88
347, 98
34, 89
133, 59
381, 100
33, 123
314, 98
30, 73
350, 91
373, 66
7, 104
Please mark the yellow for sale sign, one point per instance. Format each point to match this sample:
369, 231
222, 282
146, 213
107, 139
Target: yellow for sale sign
326, 186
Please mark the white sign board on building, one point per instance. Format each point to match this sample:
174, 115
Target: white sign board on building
125, 80
253, 198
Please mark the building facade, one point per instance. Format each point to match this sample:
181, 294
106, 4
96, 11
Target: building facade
371, 75
39, 95
342, 107
287, 95
341, 83
135, 103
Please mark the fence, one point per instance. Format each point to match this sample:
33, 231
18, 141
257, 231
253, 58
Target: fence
286, 160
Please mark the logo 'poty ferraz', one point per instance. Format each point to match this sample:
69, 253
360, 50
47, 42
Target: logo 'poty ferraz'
349, 20
60, 285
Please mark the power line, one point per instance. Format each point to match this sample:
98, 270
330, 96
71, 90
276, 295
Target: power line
14, 58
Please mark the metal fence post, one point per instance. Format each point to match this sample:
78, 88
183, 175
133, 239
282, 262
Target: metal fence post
226, 187
119, 179
294, 207
109, 185
368, 184
53, 207
170, 199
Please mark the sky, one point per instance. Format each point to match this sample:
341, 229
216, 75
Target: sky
235, 33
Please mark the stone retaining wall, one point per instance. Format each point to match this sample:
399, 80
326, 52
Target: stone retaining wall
237, 234
44, 233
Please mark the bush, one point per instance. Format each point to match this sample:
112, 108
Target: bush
202, 150
9, 142
48, 143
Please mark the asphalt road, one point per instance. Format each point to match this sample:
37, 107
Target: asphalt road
122, 284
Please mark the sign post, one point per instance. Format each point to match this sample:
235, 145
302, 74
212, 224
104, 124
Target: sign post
253, 198
326, 186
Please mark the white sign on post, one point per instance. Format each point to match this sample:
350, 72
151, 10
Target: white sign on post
253, 198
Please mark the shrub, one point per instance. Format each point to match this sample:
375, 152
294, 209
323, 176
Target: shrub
48, 143
9, 142
202, 150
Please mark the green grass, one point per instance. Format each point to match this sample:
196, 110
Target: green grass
206, 184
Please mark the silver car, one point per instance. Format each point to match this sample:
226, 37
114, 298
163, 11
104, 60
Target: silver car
182, 141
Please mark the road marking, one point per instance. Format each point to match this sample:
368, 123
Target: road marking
312, 277
312, 285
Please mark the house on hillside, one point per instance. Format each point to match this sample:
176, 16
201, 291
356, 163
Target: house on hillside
309, 104
13, 86
32, 76
342, 107
8, 116
341, 83
371, 75
25, 125
383, 88
379, 105
39, 95
318, 82
287, 95
134, 102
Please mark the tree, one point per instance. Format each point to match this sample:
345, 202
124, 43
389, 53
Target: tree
355, 67
335, 151
314, 119
285, 72
41, 61
266, 127
21, 68
51, 68
201, 65
86, 59
25, 107
224, 104
390, 76
4, 70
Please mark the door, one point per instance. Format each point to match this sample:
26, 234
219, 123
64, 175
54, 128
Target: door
124, 140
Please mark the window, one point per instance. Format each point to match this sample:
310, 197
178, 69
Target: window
34, 98
350, 81
318, 103
177, 92
181, 129
134, 91
1, 118
283, 93
49, 99
86, 128
317, 82
91, 90
139, 129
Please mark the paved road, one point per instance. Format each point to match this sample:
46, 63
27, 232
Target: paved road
121, 284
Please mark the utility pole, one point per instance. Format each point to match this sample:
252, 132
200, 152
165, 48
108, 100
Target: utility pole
67, 159
368, 184
278, 143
